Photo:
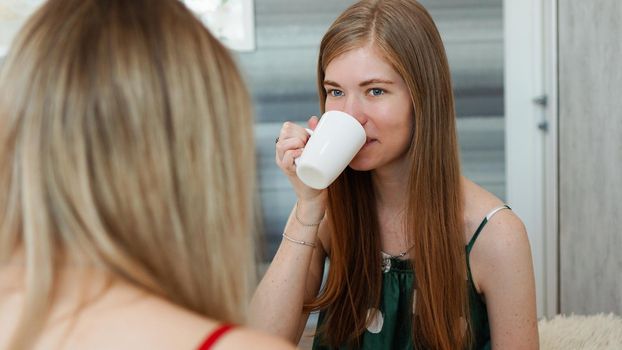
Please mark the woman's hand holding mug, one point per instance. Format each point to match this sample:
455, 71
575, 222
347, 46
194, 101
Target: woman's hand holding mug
312, 163
289, 146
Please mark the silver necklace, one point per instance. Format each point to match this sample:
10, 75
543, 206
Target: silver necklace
386, 258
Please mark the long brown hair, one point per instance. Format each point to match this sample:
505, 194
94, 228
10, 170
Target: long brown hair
406, 35
126, 139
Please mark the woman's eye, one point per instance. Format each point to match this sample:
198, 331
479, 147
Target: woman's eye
335, 93
376, 92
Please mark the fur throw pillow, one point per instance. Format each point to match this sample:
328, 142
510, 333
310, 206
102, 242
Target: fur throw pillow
602, 332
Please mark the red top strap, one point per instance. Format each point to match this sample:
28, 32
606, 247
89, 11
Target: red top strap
214, 336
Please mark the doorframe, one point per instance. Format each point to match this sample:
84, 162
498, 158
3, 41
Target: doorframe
530, 34
551, 159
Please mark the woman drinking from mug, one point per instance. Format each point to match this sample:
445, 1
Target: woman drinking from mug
126, 178
419, 256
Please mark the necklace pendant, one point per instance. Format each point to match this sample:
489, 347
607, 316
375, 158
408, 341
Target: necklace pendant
386, 264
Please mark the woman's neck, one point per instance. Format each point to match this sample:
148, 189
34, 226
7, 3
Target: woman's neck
391, 186
391, 190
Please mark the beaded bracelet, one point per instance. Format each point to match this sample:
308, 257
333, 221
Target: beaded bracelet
308, 244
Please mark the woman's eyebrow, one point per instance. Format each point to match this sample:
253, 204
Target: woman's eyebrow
331, 83
364, 83
375, 81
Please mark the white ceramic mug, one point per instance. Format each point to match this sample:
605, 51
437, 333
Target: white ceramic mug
333, 144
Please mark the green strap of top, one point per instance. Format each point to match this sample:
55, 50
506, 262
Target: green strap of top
392, 325
471, 243
481, 227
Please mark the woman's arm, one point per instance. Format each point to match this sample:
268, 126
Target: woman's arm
295, 274
293, 278
502, 268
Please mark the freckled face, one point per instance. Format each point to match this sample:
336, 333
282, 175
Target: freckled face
363, 84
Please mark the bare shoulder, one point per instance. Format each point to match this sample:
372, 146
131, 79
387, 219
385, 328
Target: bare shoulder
478, 202
503, 236
502, 246
243, 338
503, 228
189, 330
502, 271
157, 323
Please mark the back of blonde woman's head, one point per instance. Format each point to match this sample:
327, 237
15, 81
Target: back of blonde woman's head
126, 140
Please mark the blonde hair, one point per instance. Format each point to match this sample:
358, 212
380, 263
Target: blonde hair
126, 138
404, 32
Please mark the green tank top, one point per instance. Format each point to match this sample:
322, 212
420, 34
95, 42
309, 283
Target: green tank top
392, 325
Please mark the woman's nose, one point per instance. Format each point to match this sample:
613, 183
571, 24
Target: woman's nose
354, 108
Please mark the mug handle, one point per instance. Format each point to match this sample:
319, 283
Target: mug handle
310, 132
